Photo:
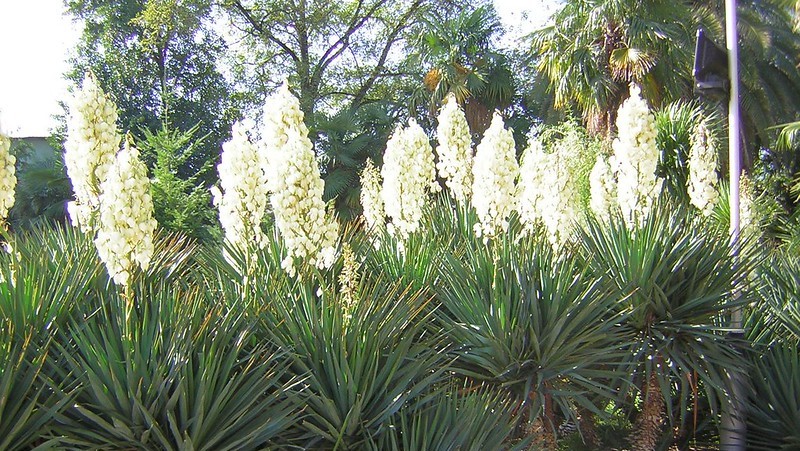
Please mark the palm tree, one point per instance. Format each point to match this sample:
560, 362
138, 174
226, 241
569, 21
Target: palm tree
769, 49
594, 49
459, 53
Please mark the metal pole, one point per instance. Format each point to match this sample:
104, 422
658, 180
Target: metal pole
733, 431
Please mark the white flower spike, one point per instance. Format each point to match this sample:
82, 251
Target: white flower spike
8, 179
454, 150
296, 188
635, 159
242, 202
89, 150
408, 176
495, 171
126, 227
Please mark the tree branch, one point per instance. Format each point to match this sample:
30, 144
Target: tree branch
391, 39
259, 27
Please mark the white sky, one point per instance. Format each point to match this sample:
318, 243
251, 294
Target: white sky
36, 41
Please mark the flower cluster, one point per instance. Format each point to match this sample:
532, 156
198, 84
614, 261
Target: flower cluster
534, 185
126, 227
703, 177
408, 174
495, 171
635, 158
454, 150
602, 189
747, 214
8, 179
89, 150
242, 202
348, 280
371, 201
296, 188
547, 190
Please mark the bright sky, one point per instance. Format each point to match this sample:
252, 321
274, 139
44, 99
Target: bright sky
36, 41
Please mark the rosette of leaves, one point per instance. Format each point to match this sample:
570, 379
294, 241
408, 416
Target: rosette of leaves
44, 274
455, 417
675, 277
533, 323
773, 405
166, 368
365, 356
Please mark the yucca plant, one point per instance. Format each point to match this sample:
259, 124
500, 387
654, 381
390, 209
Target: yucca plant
29, 398
773, 409
164, 368
413, 260
456, 417
46, 273
363, 350
534, 323
676, 278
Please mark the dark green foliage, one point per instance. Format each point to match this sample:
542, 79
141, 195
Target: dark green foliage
158, 62
454, 418
532, 322
364, 359
345, 141
43, 188
676, 278
773, 413
167, 369
41, 281
181, 199
29, 399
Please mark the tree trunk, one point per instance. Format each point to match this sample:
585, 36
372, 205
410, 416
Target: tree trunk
587, 430
647, 431
543, 428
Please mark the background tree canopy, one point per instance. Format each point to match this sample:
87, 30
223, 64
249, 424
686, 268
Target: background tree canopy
360, 66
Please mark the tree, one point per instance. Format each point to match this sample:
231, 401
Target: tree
180, 204
337, 55
769, 49
463, 62
594, 49
158, 59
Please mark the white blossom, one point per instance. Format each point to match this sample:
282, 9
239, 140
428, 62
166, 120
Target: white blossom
454, 150
534, 184
8, 179
296, 188
371, 202
548, 193
495, 171
408, 175
602, 189
242, 202
635, 158
703, 178
747, 214
89, 150
126, 225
